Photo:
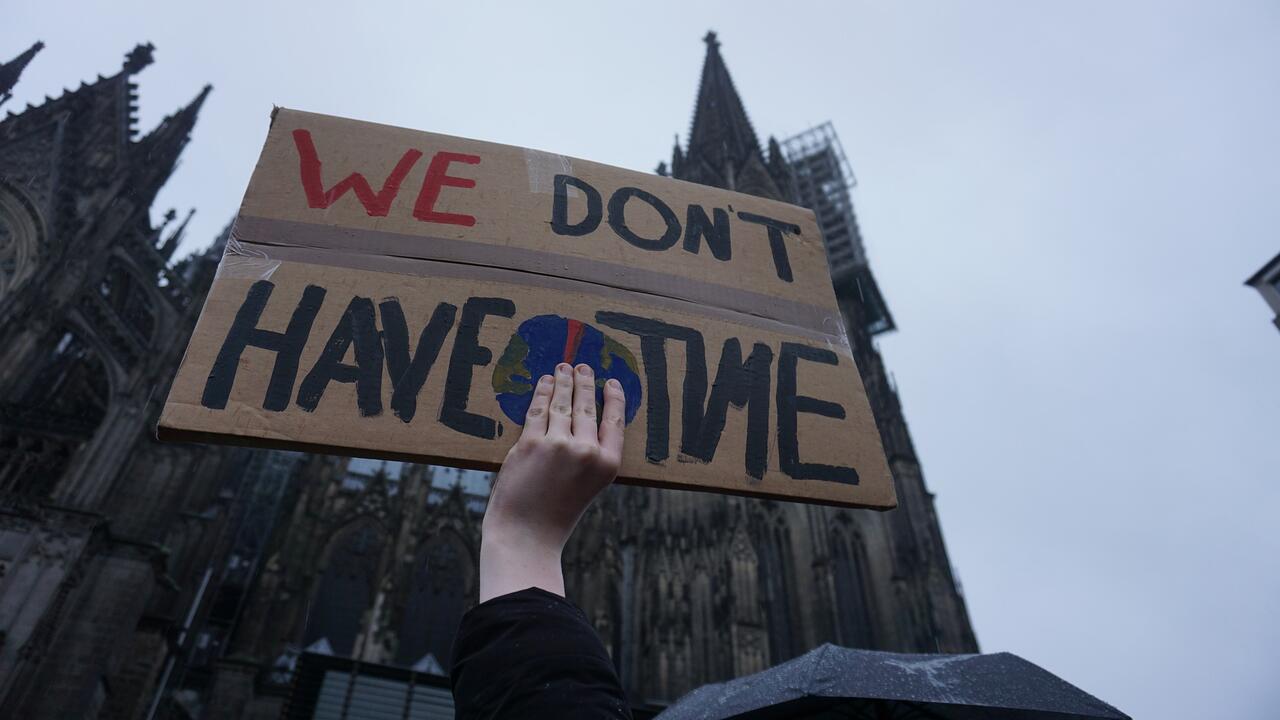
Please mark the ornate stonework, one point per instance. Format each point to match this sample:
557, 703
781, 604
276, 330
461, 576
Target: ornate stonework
189, 578
89, 334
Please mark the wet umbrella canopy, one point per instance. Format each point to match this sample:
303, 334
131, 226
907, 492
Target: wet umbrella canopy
836, 682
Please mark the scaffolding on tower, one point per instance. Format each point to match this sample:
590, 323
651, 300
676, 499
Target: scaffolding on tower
824, 178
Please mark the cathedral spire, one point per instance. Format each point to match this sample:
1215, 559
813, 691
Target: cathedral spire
723, 150
175, 238
157, 153
12, 70
721, 134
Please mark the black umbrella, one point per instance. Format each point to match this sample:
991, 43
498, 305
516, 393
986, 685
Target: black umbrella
836, 682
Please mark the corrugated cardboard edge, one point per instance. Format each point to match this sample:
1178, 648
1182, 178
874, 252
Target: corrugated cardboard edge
175, 435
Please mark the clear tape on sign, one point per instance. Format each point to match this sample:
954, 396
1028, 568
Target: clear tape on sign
836, 329
542, 168
239, 261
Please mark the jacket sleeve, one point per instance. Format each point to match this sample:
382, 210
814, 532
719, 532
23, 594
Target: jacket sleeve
532, 654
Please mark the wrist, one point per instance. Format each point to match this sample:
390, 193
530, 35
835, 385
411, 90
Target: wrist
519, 545
510, 564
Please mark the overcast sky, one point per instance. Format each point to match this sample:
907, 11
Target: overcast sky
1060, 200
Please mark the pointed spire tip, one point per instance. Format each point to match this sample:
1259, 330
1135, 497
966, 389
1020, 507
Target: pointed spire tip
198, 101
11, 71
140, 57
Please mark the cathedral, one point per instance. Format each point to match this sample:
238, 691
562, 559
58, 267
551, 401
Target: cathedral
148, 580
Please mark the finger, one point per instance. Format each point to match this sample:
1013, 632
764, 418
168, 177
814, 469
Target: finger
584, 403
535, 420
558, 422
613, 423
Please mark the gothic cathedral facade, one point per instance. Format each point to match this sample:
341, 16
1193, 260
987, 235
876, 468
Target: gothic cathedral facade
141, 580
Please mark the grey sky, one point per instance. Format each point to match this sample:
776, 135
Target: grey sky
1061, 202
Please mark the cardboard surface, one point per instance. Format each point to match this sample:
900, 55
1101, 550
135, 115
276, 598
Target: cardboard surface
406, 311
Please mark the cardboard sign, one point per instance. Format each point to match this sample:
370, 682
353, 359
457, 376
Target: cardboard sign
397, 294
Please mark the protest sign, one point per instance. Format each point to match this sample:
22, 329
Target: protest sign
394, 293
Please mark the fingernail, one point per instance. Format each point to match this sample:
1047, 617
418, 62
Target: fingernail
563, 368
584, 370
546, 379
614, 384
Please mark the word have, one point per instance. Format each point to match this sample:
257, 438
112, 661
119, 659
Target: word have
742, 383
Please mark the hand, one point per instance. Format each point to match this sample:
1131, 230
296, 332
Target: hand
553, 472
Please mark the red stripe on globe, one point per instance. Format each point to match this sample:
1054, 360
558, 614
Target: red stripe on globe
544, 341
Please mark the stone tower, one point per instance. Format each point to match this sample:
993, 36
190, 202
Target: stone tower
691, 588
139, 579
377, 561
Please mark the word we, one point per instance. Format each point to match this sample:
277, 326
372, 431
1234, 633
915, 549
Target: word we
378, 204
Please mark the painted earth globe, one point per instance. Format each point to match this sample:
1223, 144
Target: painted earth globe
544, 341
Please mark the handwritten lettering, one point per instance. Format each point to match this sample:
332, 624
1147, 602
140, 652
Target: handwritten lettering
378, 337
714, 228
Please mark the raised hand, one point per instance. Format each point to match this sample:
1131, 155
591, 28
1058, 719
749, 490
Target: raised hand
562, 460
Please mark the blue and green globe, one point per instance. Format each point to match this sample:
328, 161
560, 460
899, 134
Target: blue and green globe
544, 341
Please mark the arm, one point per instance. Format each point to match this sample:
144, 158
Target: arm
525, 651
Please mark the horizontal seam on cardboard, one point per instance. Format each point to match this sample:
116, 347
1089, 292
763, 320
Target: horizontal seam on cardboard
326, 256
803, 315
867, 496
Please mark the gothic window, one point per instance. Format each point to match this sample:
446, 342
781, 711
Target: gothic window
124, 294
58, 406
436, 601
362, 471
30, 463
69, 391
853, 588
707, 628
20, 239
473, 484
744, 578
346, 590
775, 552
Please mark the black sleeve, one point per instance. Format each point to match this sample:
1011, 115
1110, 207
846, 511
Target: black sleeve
532, 654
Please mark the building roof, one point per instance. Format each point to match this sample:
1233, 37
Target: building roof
721, 129
723, 149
